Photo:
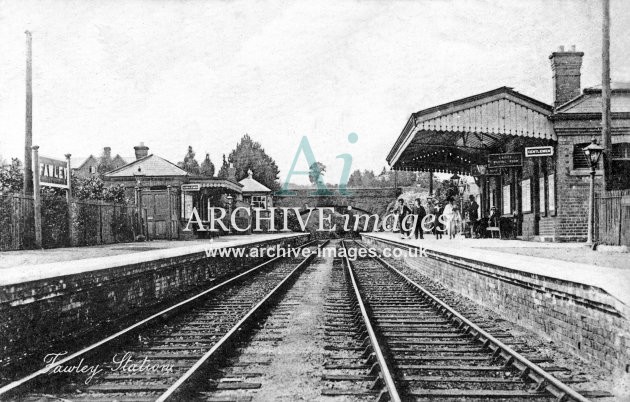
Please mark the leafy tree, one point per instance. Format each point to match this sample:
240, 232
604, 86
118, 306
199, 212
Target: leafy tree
12, 177
316, 172
249, 154
368, 178
93, 188
355, 179
223, 172
207, 167
189, 163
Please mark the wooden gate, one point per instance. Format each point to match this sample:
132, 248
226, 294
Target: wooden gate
161, 213
612, 217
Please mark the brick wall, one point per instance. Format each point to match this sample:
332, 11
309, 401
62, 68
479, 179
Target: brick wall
572, 185
547, 227
582, 319
39, 314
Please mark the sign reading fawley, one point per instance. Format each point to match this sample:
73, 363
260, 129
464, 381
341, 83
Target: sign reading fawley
505, 160
53, 172
538, 151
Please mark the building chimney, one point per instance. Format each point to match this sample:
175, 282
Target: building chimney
231, 175
107, 152
565, 66
141, 151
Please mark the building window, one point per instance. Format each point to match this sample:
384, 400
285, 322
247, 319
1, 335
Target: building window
92, 169
621, 151
259, 202
579, 158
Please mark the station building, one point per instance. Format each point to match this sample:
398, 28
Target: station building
167, 194
527, 156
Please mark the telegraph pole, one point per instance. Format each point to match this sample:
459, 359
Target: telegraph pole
606, 121
28, 136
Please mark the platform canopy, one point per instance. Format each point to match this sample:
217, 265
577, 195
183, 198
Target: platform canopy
457, 136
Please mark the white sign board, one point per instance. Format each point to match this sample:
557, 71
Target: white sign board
526, 196
551, 179
191, 187
506, 201
188, 205
531, 152
541, 196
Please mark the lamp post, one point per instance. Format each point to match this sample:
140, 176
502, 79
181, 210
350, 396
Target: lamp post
593, 152
138, 176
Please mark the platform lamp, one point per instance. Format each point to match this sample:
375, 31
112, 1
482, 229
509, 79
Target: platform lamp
593, 152
138, 175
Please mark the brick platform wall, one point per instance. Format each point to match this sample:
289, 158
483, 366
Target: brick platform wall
42, 313
583, 320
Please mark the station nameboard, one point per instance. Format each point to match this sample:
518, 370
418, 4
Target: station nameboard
538, 151
505, 160
53, 172
191, 187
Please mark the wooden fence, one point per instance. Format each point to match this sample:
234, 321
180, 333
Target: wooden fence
612, 217
90, 223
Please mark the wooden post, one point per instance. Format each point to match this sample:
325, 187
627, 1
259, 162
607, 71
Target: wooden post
28, 132
606, 120
37, 201
69, 198
139, 208
170, 213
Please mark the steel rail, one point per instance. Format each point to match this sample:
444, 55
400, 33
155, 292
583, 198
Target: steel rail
5, 389
385, 371
173, 389
551, 384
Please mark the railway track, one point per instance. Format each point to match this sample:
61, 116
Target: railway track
418, 348
160, 357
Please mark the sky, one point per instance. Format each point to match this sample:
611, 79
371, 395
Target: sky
203, 73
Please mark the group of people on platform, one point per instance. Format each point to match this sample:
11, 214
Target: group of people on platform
443, 218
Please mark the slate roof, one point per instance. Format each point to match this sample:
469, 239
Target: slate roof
590, 101
77, 162
151, 165
252, 186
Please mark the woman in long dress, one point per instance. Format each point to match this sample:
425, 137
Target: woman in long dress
449, 215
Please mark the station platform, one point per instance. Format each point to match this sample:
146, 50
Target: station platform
608, 272
585, 308
31, 265
58, 297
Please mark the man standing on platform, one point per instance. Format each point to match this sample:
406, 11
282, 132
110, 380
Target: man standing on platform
473, 215
419, 213
403, 212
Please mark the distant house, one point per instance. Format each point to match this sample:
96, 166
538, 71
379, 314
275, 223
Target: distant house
86, 167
